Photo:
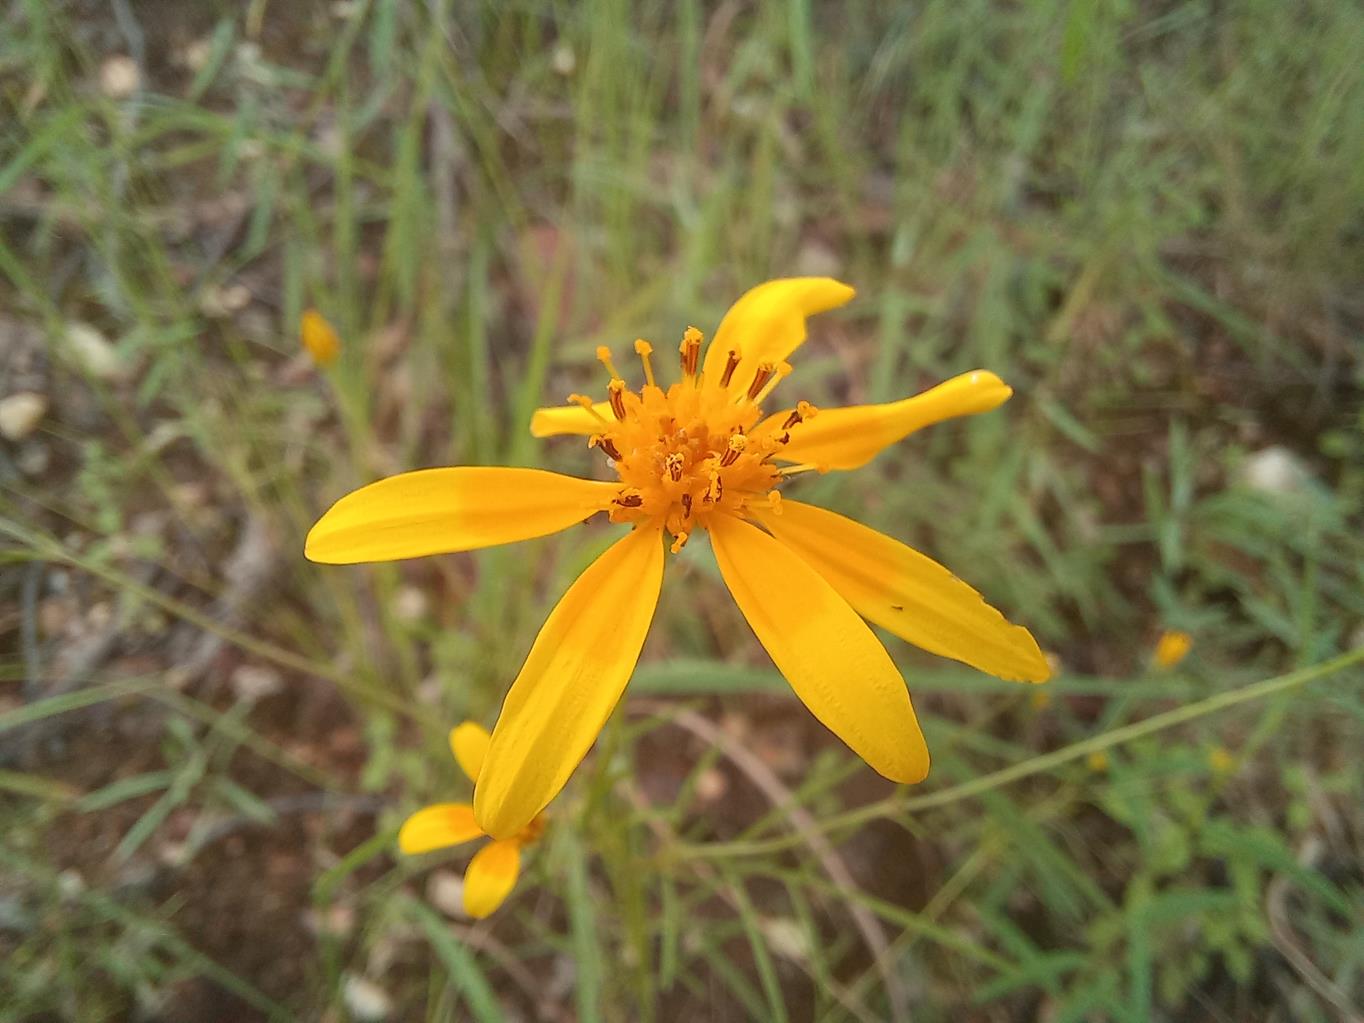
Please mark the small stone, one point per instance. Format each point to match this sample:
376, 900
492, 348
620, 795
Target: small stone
563, 60
93, 352
221, 302
365, 1000
174, 854
21, 413
196, 55
430, 691
34, 458
119, 77
254, 682
1275, 470
337, 920
410, 605
54, 614
445, 891
787, 938
817, 260
712, 785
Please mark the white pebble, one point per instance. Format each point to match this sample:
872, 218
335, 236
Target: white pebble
365, 1000
119, 77
21, 413
1275, 470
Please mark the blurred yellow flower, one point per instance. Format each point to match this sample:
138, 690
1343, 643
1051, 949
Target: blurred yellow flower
1172, 647
1097, 762
319, 338
1221, 760
701, 454
493, 871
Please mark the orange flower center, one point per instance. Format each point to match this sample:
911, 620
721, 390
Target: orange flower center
696, 449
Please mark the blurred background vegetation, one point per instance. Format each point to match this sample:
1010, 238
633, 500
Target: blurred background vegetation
1144, 214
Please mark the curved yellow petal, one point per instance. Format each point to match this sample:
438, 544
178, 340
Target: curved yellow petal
435, 827
907, 593
571, 681
469, 744
846, 438
767, 324
551, 422
832, 659
438, 511
490, 878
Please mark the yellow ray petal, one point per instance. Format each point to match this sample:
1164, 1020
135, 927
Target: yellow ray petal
907, 593
469, 744
832, 659
438, 511
435, 827
767, 324
550, 422
491, 877
572, 678
846, 438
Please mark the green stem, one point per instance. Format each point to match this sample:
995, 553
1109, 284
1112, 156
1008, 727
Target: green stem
1042, 763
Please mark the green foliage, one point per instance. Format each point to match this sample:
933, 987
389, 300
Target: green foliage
1144, 217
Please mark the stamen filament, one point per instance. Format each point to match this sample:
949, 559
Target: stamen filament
616, 393
604, 357
765, 370
783, 370
585, 402
643, 349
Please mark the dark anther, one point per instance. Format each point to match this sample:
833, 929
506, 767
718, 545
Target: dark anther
731, 365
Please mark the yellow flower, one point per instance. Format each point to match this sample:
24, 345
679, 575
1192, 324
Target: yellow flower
701, 454
493, 871
1097, 761
1221, 760
319, 338
1172, 647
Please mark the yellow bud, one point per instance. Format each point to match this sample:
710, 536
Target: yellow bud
1221, 760
1172, 647
319, 338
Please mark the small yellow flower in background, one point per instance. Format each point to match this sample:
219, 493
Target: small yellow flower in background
701, 454
319, 338
1221, 760
1097, 762
1172, 647
493, 871
1039, 699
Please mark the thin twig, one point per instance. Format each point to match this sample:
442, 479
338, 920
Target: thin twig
784, 800
1286, 941
711, 876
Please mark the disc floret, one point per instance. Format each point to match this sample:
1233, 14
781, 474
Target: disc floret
698, 448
